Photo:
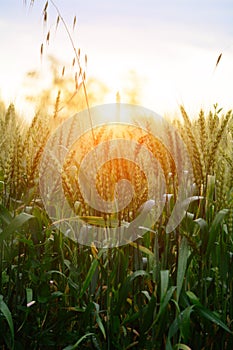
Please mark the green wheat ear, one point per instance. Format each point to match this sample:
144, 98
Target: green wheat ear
193, 148
215, 145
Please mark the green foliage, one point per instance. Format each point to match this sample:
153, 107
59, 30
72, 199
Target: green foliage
165, 291
4, 310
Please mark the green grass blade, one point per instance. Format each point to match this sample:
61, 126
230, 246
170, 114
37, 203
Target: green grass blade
75, 346
166, 300
164, 276
203, 232
90, 274
182, 264
139, 273
214, 229
142, 249
182, 323
168, 345
182, 347
7, 314
127, 285
15, 224
29, 295
213, 318
100, 324
207, 314
5, 215
163, 304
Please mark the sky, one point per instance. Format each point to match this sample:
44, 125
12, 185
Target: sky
156, 53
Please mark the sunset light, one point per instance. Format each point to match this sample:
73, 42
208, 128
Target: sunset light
116, 174
159, 55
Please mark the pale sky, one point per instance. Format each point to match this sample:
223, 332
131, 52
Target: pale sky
164, 49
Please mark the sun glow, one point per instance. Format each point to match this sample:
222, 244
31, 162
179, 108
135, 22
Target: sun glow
160, 70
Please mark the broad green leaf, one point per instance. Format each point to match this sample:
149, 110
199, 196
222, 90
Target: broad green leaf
214, 229
5, 215
207, 314
75, 346
212, 317
124, 290
163, 304
179, 212
100, 324
142, 249
182, 323
90, 274
202, 223
148, 316
115, 324
168, 345
166, 300
131, 318
185, 322
193, 298
164, 276
7, 314
147, 295
182, 264
139, 273
29, 295
100, 221
182, 347
210, 188
51, 272
57, 294
16, 224
43, 293
204, 232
